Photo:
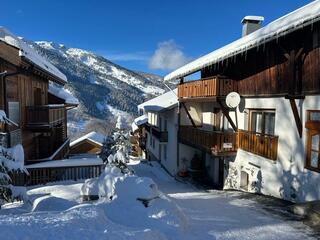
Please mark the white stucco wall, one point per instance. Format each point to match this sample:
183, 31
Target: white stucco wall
286, 177
172, 126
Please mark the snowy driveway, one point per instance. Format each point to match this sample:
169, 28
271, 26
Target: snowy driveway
223, 215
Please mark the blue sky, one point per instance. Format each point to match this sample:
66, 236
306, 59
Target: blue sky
138, 34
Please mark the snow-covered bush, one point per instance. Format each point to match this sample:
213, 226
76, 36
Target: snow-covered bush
11, 161
112, 183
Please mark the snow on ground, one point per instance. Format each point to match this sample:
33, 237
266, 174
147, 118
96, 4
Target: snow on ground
181, 212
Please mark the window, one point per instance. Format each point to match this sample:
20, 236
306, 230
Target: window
165, 152
262, 121
313, 140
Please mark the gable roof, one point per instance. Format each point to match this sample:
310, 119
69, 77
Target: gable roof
95, 137
163, 102
28, 53
295, 20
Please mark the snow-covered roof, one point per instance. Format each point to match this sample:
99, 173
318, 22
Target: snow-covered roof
62, 93
92, 136
67, 163
30, 54
141, 120
162, 102
252, 18
282, 26
138, 122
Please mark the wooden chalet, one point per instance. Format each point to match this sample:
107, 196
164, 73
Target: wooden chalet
33, 98
270, 142
90, 143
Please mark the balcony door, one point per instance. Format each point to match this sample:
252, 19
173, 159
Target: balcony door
37, 96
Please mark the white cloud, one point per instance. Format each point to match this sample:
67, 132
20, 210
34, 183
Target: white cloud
168, 56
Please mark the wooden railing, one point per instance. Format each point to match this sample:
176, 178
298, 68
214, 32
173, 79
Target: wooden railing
217, 142
261, 144
55, 174
45, 115
207, 87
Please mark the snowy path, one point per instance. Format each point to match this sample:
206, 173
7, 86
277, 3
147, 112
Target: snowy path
222, 215
55, 211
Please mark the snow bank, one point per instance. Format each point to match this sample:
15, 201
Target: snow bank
29, 53
92, 136
162, 102
51, 203
282, 26
62, 93
104, 185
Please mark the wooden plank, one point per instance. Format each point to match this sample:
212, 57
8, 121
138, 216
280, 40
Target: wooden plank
296, 116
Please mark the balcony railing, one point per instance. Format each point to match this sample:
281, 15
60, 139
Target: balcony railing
47, 115
207, 87
162, 136
261, 144
217, 142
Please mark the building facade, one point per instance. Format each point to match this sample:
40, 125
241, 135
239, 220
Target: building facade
269, 143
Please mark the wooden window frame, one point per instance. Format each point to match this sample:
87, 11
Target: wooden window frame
313, 128
262, 110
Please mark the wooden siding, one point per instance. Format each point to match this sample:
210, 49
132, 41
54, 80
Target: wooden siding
85, 146
276, 68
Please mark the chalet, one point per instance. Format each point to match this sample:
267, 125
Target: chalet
161, 129
33, 98
270, 142
90, 143
138, 136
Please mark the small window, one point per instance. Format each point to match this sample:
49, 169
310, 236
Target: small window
313, 140
262, 121
165, 152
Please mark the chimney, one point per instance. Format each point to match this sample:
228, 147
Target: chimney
251, 24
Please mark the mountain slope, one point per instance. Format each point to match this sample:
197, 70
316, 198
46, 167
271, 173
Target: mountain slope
103, 88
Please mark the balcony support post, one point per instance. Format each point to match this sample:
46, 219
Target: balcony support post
296, 116
189, 116
226, 113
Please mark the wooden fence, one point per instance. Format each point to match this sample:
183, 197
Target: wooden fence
39, 176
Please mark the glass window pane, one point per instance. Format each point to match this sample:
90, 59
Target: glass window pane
315, 142
256, 124
269, 123
314, 159
315, 116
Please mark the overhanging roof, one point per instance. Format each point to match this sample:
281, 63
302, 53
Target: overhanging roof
297, 19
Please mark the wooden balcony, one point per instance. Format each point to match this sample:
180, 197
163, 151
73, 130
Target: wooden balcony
263, 145
44, 116
162, 136
216, 142
206, 88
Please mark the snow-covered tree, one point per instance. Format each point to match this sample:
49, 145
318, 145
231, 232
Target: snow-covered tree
116, 148
11, 161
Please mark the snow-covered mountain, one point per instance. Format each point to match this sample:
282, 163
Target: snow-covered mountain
103, 88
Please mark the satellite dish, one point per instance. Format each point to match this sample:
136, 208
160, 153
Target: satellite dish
233, 99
